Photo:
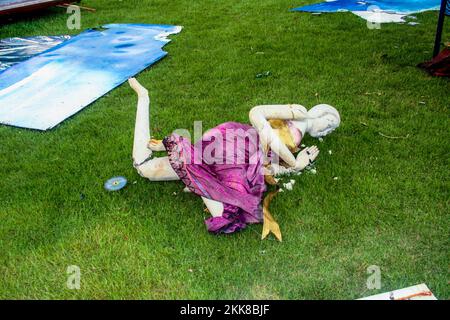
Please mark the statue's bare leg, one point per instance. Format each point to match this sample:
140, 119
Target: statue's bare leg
155, 169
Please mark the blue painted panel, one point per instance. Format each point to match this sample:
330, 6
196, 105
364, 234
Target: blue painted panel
43, 91
394, 6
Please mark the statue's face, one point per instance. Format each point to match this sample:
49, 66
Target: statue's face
324, 120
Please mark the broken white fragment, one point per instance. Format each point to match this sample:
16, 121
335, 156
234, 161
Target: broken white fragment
289, 185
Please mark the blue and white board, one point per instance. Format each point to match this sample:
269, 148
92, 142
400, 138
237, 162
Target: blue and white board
393, 6
43, 91
387, 10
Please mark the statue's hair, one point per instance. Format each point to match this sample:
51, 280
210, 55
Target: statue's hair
320, 111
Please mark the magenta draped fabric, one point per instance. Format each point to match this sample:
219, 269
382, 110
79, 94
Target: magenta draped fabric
226, 165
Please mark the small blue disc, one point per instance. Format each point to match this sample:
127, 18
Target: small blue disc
115, 184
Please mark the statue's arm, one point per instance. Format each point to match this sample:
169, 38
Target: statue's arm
282, 112
259, 117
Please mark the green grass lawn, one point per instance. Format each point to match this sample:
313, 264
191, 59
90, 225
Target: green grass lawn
389, 207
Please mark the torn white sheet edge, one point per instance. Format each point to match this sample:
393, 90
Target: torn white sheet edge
401, 293
380, 16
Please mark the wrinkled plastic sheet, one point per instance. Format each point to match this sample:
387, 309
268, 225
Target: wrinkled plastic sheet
384, 8
15, 50
46, 89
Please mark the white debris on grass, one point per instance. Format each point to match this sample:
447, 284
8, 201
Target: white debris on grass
289, 185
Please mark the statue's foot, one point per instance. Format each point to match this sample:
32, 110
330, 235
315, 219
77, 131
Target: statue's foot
156, 145
140, 90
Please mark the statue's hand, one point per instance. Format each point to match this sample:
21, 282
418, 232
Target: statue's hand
156, 145
306, 157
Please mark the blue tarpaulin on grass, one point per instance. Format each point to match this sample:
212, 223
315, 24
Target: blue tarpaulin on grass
392, 6
44, 90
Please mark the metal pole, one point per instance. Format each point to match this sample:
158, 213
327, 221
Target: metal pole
437, 41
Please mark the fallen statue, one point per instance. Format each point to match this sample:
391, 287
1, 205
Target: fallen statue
229, 167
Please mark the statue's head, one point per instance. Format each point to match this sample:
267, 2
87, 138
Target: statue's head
323, 119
